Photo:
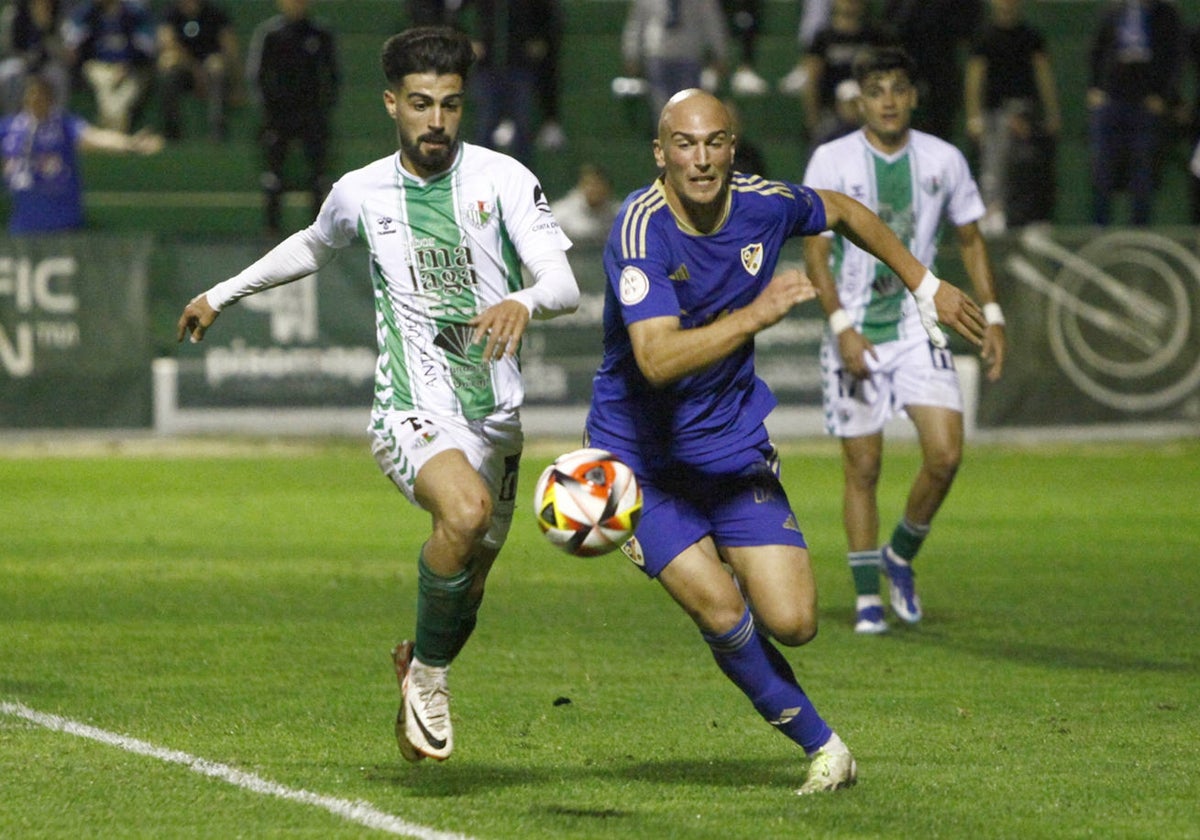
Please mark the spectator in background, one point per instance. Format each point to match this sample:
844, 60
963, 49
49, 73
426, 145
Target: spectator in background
1136, 62
830, 61
933, 32
111, 45
551, 135
749, 157
39, 145
814, 16
670, 44
432, 12
515, 41
1013, 116
743, 17
197, 51
30, 42
292, 67
586, 213
847, 112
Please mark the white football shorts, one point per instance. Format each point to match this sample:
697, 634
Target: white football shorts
404, 441
908, 372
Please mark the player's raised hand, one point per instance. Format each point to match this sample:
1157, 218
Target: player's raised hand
197, 317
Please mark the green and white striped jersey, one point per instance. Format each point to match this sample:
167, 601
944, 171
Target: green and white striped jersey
442, 251
912, 190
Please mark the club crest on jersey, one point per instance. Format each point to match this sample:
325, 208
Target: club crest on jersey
632, 549
479, 213
752, 256
932, 185
634, 285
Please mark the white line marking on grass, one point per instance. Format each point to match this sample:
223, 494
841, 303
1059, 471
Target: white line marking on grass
359, 812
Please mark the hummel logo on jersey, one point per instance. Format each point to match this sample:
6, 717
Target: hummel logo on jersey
539, 199
680, 274
385, 225
752, 256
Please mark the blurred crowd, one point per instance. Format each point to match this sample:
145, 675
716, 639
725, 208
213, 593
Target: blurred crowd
986, 80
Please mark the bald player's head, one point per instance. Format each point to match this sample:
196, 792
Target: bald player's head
691, 104
694, 150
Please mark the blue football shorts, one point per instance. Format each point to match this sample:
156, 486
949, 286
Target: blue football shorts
738, 502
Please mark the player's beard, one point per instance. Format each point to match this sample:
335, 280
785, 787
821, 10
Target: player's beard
436, 157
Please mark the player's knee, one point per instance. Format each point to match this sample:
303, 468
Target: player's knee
466, 519
862, 472
942, 463
797, 628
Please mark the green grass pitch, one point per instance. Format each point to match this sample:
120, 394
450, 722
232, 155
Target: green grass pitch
237, 603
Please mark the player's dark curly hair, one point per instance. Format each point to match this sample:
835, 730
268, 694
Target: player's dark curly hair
427, 49
872, 60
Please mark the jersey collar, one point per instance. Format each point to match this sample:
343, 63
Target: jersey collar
683, 224
417, 179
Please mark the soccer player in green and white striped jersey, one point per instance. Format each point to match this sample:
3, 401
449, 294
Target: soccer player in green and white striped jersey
448, 226
876, 357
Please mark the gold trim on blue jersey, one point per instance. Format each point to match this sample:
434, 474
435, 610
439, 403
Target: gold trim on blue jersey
637, 219
757, 184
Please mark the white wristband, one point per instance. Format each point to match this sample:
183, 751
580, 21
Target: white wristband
839, 321
928, 286
993, 315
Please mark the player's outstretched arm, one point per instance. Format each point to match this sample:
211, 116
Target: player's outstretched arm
300, 255
937, 302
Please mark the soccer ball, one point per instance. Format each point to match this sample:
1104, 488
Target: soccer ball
587, 502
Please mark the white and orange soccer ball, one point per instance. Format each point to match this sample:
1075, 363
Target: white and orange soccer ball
587, 502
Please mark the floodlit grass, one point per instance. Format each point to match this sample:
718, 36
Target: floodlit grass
240, 606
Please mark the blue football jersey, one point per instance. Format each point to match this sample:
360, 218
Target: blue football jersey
656, 268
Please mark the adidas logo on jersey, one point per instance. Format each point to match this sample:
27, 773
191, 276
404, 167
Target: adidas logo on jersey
680, 274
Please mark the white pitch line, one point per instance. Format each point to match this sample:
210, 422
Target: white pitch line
354, 811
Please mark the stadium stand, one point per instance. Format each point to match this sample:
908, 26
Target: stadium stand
197, 187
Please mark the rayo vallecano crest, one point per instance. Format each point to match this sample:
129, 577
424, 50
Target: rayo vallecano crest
752, 257
479, 213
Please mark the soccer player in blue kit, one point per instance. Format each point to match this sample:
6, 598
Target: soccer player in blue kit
691, 277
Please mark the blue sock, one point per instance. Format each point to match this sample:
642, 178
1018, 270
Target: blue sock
764, 675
